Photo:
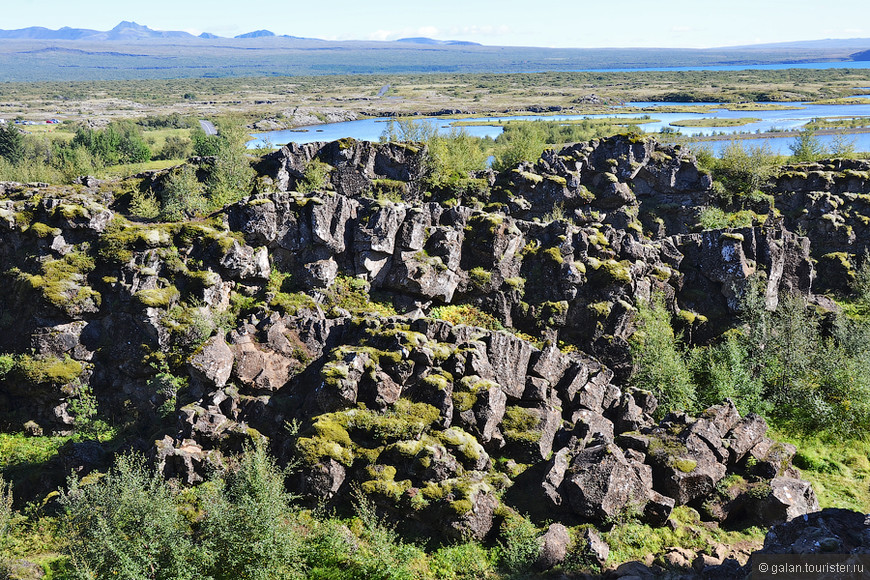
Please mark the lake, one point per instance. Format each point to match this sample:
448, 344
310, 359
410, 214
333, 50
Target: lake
779, 66
783, 120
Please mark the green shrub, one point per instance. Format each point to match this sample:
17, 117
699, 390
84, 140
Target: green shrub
127, 525
518, 545
376, 551
316, 177
743, 169
144, 204
453, 157
524, 143
250, 529
723, 371
659, 359
468, 561
6, 515
466, 314
806, 146
182, 196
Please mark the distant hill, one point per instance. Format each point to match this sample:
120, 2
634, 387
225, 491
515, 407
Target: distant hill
256, 34
124, 31
826, 43
133, 51
424, 40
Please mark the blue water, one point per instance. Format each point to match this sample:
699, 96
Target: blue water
783, 120
780, 145
780, 66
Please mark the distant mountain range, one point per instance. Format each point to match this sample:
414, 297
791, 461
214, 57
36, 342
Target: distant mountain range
134, 51
131, 31
125, 31
424, 40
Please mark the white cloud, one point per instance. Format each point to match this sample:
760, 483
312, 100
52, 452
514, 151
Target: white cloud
381, 35
429, 31
475, 30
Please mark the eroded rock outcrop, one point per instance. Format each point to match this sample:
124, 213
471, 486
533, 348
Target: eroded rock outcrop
222, 332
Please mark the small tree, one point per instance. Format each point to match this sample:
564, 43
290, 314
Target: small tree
231, 176
11, 143
806, 146
744, 169
6, 515
127, 525
408, 131
453, 157
176, 147
525, 143
182, 195
843, 146
250, 528
659, 360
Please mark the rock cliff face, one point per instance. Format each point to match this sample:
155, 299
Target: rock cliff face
309, 321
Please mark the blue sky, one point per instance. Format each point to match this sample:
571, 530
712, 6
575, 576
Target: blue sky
577, 23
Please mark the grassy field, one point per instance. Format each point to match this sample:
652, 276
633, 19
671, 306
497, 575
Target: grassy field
715, 122
280, 98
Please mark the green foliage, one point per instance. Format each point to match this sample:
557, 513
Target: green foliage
633, 541
144, 204
815, 382
83, 407
724, 370
183, 196
714, 218
175, 147
525, 143
453, 157
376, 553
205, 145
861, 283
120, 142
11, 143
743, 169
806, 147
542, 132
467, 561
837, 467
127, 525
408, 131
167, 388
843, 146
659, 359
466, 314
352, 294
230, 177
518, 545
6, 520
250, 529
316, 177
17, 449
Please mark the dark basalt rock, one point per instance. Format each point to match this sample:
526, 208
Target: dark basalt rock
434, 421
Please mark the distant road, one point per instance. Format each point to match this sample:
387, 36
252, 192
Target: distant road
208, 127
383, 90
